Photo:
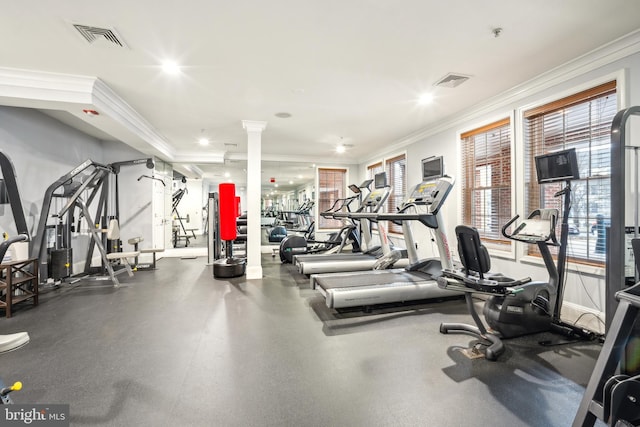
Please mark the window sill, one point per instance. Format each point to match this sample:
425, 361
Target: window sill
499, 253
591, 270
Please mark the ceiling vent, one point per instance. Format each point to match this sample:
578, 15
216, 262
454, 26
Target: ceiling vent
452, 80
104, 36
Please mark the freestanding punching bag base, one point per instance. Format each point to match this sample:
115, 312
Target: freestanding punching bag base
229, 267
228, 212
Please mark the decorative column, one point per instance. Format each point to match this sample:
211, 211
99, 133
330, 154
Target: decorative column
254, 159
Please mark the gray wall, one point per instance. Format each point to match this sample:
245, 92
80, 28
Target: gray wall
42, 150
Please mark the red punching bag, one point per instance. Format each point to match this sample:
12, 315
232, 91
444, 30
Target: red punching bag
228, 211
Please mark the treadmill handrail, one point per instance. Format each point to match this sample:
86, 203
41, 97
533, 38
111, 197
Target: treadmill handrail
337, 206
397, 217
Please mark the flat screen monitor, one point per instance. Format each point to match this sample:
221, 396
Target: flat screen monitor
558, 166
432, 168
354, 188
380, 180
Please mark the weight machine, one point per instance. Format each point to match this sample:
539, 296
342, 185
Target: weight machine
611, 396
176, 229
86, 185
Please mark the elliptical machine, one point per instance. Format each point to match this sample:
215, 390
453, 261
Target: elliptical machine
295, 244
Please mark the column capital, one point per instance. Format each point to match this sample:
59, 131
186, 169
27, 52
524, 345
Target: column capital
254, 125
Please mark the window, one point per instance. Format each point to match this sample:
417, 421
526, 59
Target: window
374, 169
581, 121
397, 179
486, 180
332, 187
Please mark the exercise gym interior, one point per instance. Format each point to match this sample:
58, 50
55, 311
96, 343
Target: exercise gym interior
326, 213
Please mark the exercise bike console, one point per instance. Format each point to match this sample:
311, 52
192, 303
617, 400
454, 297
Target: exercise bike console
539, 227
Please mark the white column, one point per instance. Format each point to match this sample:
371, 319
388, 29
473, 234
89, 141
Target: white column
254, 159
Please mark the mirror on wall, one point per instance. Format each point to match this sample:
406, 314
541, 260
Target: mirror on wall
285, 186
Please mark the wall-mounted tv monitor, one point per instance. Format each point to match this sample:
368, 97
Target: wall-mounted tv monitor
432, 168
558, 166
380, 180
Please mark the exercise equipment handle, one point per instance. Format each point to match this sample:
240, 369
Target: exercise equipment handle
4, 246
507, 225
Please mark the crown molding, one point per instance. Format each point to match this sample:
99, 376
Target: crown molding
615, 50
254, 125
269, 157
72, 93
110, 103
24, 86
210, 157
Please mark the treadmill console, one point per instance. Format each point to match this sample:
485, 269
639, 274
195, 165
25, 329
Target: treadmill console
376, 198
432, 193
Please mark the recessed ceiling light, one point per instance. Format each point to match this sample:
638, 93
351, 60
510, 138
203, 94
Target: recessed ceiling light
170, 67
299, 176
275, 185
340, 148
425, 99
227, 174
283, 115
203, 141
290, 182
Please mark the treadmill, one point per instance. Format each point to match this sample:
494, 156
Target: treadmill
417, 280
372, 203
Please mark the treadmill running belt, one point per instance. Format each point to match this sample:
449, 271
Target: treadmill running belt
352, 281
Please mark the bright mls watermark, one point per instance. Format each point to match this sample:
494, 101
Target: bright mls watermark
34, 415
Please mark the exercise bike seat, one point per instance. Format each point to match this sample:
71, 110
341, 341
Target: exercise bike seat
477, 263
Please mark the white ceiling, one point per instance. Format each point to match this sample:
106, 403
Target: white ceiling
348, 71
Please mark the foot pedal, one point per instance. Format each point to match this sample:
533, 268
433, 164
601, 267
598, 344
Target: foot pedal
473, 353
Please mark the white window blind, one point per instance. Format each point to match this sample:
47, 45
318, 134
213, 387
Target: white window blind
486, 180
332, 184
374, 169
581, 121
397, 178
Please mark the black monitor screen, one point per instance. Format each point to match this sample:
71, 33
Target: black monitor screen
380, 180
558, 166
432, 168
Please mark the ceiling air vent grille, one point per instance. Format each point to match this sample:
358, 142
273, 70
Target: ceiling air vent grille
452, 80
95, 34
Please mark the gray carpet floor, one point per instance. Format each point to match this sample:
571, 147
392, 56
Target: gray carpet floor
176, 347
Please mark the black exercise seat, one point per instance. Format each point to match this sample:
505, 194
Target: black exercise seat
475, 278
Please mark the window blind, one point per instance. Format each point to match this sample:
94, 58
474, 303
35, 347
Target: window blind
332, 183
486, 180
374, 169
397, 178
581, 121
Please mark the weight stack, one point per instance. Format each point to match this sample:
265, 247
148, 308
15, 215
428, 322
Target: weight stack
61, 265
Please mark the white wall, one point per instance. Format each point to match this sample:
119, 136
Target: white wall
191, 204
585, 286
135, 196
